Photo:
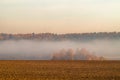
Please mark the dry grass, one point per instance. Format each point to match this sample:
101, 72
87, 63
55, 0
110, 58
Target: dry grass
59, 70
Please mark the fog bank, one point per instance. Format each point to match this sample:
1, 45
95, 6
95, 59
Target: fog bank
44, 50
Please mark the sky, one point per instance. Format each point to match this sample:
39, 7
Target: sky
59, 16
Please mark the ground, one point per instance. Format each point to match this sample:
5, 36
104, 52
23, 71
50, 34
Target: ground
59, 70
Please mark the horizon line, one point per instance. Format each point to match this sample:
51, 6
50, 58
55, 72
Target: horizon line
60, 33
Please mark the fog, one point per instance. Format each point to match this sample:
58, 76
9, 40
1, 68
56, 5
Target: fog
44, 50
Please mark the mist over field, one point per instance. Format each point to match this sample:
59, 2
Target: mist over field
45, 50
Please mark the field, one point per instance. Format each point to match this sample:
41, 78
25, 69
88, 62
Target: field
59, 70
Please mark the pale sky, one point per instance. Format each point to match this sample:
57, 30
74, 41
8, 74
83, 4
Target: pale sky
59, 16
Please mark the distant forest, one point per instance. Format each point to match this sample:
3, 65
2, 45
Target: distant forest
62, 37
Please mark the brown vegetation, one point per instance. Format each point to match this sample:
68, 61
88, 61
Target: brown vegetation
79, 54
59, 70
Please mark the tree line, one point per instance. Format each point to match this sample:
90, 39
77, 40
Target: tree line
78, 54
59, 37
